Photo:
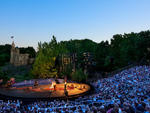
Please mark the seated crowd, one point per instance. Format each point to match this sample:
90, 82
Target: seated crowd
125, 92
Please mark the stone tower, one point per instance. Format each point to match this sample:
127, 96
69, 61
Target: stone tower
14, 54
18, 59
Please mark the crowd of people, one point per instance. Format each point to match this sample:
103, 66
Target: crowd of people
125, 92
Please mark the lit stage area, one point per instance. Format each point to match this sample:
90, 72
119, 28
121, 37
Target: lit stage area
47, 88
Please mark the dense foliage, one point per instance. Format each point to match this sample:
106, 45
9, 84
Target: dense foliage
122, 50
29, 50
3, 76
44, 66
79, 76
4, 54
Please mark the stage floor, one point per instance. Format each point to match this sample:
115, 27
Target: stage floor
46, 91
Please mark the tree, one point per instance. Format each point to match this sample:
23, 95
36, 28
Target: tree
79, 76
4, 54
123, 49
29, 50
44, 66
4, 77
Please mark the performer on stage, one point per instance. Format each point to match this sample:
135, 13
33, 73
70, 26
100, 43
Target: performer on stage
53, 86
36, 83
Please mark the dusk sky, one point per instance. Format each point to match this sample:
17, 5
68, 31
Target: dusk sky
31, 21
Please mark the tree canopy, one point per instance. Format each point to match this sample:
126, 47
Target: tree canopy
4, 54
44, 65
121, 51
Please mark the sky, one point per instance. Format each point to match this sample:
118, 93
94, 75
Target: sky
32, 21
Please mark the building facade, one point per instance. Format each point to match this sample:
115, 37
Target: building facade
18, 59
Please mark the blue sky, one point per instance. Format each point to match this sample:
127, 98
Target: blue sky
31, 21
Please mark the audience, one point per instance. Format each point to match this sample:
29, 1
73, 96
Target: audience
125, 92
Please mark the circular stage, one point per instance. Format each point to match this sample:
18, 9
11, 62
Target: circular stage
45, 90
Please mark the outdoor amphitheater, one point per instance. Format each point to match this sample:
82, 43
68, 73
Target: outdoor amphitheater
127, 91
74, 56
